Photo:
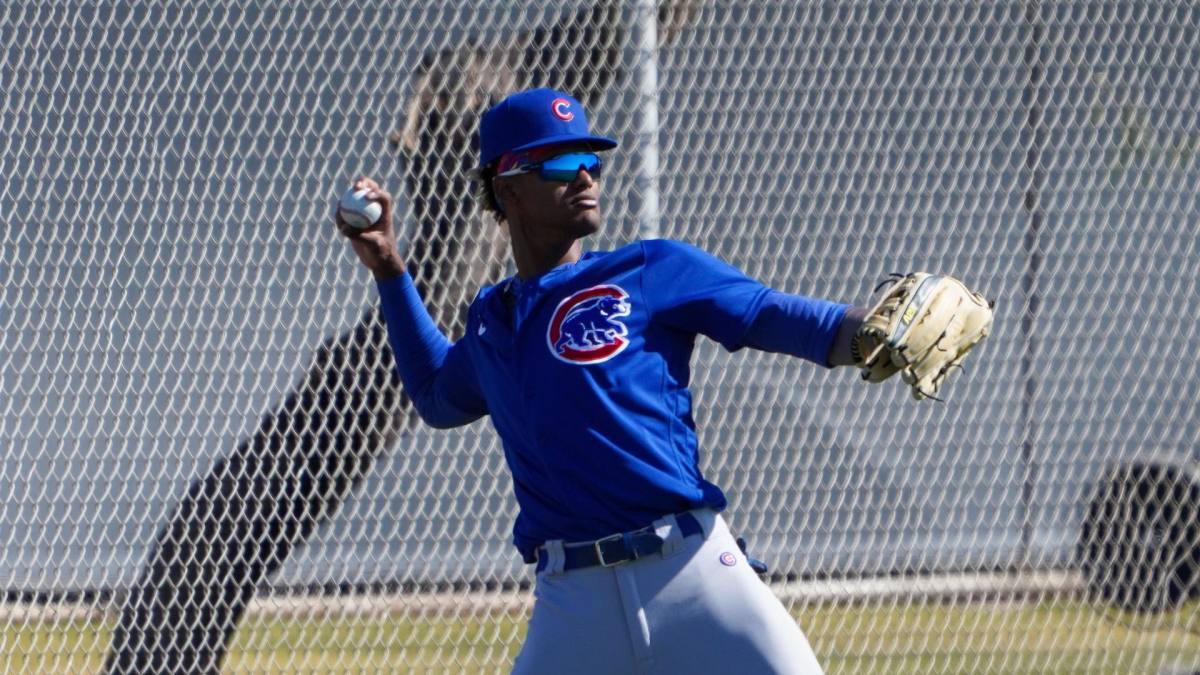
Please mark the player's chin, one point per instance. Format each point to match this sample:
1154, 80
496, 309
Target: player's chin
584, 222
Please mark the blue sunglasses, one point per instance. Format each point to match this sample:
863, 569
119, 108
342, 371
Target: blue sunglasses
561, 168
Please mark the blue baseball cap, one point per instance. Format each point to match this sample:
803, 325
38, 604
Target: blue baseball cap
531, 119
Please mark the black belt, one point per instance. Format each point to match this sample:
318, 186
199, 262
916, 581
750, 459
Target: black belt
619, 548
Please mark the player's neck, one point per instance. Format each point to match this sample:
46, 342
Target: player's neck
535, 258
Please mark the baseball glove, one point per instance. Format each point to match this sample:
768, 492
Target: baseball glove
922, 328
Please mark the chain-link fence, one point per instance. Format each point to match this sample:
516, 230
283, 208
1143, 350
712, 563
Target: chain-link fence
197, 397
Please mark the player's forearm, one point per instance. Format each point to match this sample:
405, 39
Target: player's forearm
420, 350
839, 351
388, 266
804, 327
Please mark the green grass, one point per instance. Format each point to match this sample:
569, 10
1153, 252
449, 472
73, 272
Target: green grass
1050, 637
1054, 636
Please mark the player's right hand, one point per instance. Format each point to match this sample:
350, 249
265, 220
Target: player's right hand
375, 245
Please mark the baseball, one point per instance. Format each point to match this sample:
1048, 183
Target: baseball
357, 210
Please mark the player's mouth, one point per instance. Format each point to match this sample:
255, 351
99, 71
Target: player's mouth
583, 203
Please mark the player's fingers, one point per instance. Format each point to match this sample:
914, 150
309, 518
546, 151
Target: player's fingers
378, 194
343, 227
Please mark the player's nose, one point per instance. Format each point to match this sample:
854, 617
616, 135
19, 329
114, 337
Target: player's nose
584, 179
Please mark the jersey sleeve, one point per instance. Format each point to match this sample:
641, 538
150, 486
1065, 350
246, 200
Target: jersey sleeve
797, 325
439, 376
693, 291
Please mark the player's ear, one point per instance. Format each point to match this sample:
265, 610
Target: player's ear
504, 191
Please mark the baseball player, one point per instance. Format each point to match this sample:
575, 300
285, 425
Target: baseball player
240, 521
581, 362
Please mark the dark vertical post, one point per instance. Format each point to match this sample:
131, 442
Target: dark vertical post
1033, 98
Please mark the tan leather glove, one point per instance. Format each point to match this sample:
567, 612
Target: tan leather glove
922, 328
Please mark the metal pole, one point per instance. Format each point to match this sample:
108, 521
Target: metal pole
1033, 97
647, 60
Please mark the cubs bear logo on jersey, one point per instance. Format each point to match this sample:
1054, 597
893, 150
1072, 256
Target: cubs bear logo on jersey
587, 328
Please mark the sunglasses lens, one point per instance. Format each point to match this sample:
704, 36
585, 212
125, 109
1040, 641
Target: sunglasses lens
564, 168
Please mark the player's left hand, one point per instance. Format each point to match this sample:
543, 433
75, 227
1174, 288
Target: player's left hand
922, 328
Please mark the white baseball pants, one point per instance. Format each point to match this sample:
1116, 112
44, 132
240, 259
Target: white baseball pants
695, 608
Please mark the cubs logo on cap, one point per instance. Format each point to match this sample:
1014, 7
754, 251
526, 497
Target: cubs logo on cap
534, 118
587, 328
561, 108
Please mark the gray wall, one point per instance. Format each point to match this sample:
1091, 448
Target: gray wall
168, 266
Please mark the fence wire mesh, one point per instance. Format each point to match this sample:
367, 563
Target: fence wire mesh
199, 420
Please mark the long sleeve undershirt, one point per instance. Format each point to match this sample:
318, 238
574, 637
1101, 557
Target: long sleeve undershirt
796, 325
437, 375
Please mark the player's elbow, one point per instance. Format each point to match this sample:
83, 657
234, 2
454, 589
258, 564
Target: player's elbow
440, 414
437, 422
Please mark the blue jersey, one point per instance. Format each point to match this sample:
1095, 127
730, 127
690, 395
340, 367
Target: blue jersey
584, 373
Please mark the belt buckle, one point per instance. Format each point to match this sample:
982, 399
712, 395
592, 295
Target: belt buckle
600, 551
